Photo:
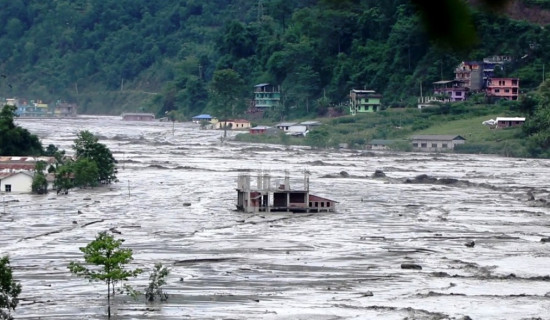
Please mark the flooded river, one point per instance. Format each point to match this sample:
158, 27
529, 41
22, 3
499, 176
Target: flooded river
175, 200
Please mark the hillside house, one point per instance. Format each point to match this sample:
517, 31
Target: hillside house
297, 130
138, 116
278, 196
260, 130
202, 117
436, 142
310, 124
451, 89
503, 88
492, 63
284, 126
266, 96
431, 101
233, 124
470, 73
506, 122
364, 101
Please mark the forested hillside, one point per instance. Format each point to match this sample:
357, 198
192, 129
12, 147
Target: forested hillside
129, 55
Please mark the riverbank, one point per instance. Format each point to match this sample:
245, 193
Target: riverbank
399, 125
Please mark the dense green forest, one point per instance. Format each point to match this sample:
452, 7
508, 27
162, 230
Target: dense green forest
137, 55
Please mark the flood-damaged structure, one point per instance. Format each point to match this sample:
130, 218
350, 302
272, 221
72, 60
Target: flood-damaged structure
279, 196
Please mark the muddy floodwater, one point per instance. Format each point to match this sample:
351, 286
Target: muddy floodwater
467, 229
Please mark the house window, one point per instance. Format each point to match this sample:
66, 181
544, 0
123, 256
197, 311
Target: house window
322, 204
310, 204
424, 145
514, 82
507, 90
434, 145
328, 204
415, 145
497, 90
7, 188
458, 93
444, 145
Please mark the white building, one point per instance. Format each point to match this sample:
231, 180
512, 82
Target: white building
16, 182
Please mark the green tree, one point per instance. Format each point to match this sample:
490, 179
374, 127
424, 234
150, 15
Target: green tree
86, 173
318, 138
227, 87
14, 140
64, 178
537, 125
9, 290
157, 279
301, 86
105, 261
87, 146
39, 182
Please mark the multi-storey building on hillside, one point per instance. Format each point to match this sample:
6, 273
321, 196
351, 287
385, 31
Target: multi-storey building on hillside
266, 96
503, 88
363, 101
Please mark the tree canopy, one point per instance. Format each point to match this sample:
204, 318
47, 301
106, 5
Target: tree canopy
325, 47
95, 162
9, 290
14, 140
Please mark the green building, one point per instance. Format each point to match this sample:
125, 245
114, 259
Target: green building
364, 101
266, 96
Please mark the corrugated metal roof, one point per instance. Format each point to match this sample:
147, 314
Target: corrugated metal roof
311, 123
137, 114
236, 120
317, 198
202, 116
510, 119
285, 124
437, 137
362, 91
25, 159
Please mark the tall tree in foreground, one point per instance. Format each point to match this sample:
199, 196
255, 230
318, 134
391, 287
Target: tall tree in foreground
9, 290
105, 261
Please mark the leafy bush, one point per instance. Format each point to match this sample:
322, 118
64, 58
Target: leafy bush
157, 279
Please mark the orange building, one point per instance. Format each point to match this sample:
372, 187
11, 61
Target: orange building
504, 88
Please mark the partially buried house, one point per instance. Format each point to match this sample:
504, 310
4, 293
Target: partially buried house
279, 196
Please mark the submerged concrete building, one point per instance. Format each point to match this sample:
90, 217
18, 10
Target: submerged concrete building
279, 196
